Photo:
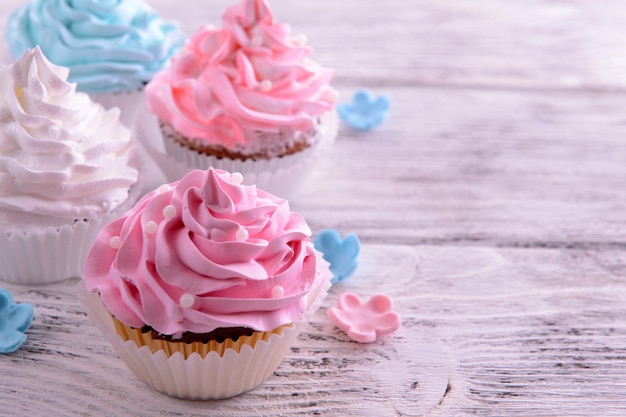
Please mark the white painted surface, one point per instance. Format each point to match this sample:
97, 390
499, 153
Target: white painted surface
490, 204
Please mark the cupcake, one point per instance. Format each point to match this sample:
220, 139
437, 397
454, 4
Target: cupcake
203, 286
67, 166
244, 98
112, 48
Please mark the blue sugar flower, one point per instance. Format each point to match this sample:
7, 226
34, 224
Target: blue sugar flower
14, 321
365, 111
342, 254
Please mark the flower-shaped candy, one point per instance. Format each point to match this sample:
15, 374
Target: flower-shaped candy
365, 111
367, 322
14, 321
340, 253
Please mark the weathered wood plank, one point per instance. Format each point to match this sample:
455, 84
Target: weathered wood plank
534, 332
478, 167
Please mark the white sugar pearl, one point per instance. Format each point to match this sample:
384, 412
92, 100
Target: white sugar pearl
115, 242
266, 85
236, 178
242, 234
256, 40
164, 188
278, 291
151, 227
187, 300
169, 212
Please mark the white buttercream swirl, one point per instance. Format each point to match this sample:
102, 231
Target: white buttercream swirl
61, 154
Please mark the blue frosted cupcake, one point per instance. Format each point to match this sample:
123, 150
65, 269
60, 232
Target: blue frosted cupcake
112, 48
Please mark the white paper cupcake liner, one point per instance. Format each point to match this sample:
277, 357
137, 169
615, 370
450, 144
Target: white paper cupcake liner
212, 377
282, 176
52, 253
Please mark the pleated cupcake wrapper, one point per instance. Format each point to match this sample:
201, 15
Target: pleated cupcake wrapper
50, 254
281, 176
213, 377
216, 374
131, 104
141, 338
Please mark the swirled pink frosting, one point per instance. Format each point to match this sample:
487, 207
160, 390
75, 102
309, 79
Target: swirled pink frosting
250, 76
204, 253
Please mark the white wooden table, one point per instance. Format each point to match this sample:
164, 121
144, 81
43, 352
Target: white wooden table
491, 205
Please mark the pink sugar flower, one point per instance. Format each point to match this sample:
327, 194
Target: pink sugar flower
367, 322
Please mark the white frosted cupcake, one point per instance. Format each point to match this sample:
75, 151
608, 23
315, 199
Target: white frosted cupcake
112, 48
204, 285
244, 98
67, 166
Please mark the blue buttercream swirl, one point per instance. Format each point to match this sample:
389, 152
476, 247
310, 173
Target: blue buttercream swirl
108, 45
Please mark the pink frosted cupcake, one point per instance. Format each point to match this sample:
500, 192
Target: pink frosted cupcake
244, 98
204, 285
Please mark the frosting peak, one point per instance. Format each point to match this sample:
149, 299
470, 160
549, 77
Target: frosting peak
250, 12
61, 155
204, 253
249, 76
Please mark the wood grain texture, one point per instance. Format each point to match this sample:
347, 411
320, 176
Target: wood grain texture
487, 43
479, 167
490, 205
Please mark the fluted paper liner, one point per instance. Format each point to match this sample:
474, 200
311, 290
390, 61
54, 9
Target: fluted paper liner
140, 338
50, 254
281, 176
231, 369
